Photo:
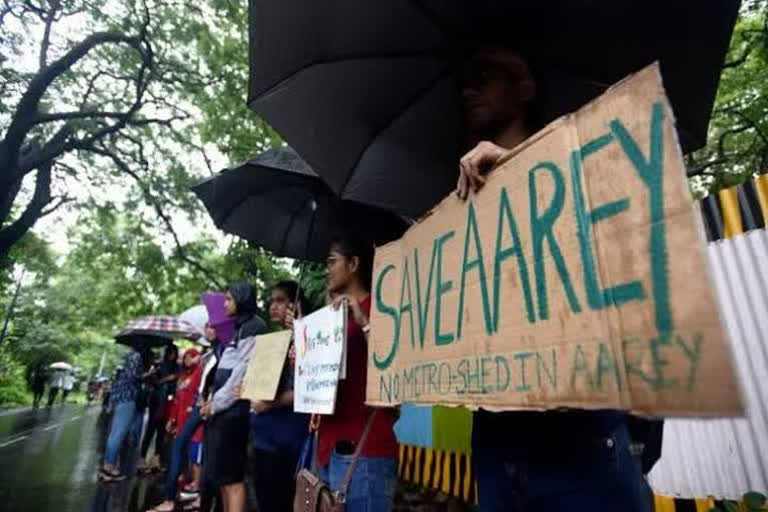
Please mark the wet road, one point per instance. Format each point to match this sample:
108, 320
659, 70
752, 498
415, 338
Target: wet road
49, 459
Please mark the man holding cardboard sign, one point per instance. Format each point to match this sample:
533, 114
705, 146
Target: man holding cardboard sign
575, 279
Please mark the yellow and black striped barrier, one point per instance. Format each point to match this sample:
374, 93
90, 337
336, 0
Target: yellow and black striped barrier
451, 473
737, 209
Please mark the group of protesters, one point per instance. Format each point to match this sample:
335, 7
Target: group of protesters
527, 461
216, 435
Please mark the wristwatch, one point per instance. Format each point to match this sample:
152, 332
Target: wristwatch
366, 329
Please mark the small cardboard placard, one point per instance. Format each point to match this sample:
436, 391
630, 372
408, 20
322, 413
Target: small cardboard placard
262, 377
319, 342
577, 277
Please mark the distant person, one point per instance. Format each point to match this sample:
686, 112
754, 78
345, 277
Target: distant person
277, 433
66, 388
530, 461
38, 384
123, 395
226, 431
57, 382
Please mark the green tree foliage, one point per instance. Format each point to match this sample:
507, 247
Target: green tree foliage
737, 148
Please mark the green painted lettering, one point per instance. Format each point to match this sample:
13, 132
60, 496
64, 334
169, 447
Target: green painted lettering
579, 365
651, 172
541, 230
381, 307
597, 298
471, 233
501, 254
423, 307
441, 287
406, 307
693, 354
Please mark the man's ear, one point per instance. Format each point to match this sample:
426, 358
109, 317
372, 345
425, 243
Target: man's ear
527, 90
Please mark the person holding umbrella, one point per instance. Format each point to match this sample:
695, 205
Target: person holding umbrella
57, 382
123, 396
536, 461
226, 433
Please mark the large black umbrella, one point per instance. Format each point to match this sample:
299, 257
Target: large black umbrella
365, 90
276, 201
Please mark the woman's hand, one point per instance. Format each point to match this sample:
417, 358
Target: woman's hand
205, 409
357, 313
476, 164
259, 406
170, 427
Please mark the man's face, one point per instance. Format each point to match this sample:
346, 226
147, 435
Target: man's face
496, 84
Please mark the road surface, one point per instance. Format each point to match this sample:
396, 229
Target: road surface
49, 460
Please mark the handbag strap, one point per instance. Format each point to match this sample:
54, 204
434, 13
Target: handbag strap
351, 468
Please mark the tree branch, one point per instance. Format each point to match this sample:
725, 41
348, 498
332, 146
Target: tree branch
41, 197
48, 21
27, 107
61, 201
180, 250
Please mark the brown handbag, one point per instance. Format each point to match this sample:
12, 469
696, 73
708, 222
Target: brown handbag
314, 495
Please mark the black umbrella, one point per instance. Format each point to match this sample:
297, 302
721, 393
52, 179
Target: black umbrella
365, 90
276, 201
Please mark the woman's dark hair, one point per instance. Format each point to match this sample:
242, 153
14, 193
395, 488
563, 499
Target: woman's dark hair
170, 349
291, 289
350, 245
244, 295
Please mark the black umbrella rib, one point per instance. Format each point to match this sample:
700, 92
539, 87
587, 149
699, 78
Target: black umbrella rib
344, 58
418, 95
293, 221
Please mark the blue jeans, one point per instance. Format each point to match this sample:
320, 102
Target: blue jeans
372, 488
177, 455
581, 475
122, 420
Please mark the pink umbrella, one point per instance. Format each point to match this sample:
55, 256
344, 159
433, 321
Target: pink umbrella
157, 330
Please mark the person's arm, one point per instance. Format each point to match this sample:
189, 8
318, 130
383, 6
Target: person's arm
228, 393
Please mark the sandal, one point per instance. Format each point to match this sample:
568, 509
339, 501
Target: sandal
109, 476
163, 507
193, 505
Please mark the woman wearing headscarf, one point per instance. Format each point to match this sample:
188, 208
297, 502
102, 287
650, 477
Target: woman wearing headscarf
226, 434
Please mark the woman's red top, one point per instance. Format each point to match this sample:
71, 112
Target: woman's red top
184, 400
351, 413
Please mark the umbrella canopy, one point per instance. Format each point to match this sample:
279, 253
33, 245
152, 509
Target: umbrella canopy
365, 91
61, 365
276, 201
156, 330
198, 317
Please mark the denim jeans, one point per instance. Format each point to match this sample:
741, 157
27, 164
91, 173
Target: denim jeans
122, 420
177, 455
372, 488
586, 475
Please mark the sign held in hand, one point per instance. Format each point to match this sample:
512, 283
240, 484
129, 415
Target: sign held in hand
319, 341
262, 376
577, 277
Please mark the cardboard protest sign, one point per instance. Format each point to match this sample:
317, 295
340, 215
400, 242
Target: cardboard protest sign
577, 277
319, 342
266, 365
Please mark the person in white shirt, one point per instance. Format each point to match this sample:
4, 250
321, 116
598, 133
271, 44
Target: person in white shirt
68, 384
57, 382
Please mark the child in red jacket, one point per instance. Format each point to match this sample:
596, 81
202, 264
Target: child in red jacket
183, 401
